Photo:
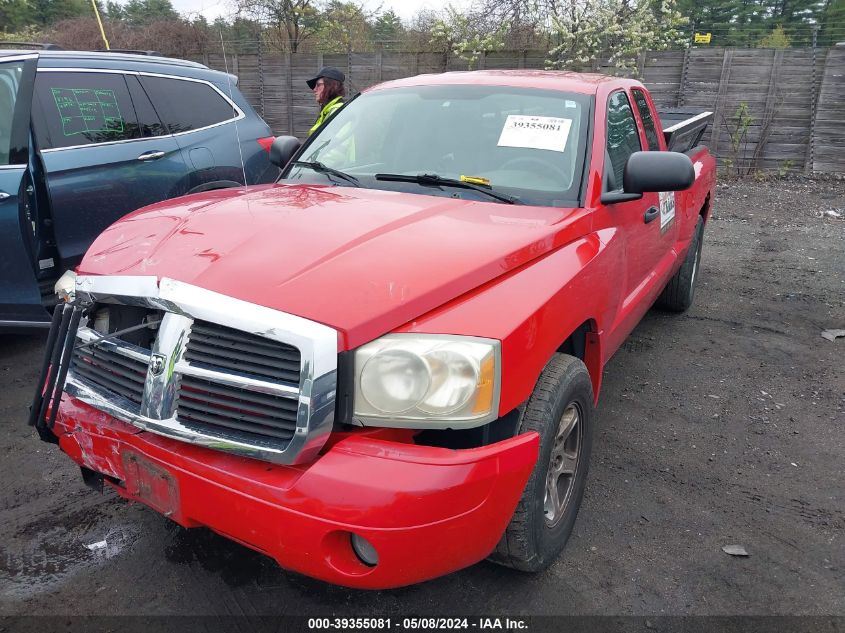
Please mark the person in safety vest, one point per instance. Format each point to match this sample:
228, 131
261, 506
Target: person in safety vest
329, 91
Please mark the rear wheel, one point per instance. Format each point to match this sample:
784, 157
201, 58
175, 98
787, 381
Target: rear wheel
678, 294
561, 410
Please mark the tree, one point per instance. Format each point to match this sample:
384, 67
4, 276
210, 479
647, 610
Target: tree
776, 39
143, 12
344, 26
43, 13
388, 28
114, 11
833, 23
289, 22
528, 21
459, 34
614, 28
14, 15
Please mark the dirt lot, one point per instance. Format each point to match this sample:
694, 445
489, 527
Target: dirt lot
722, 426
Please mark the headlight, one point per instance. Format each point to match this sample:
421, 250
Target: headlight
65, 287
427, 381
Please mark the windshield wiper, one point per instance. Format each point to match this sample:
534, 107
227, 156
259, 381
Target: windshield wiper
325, 169
434, 179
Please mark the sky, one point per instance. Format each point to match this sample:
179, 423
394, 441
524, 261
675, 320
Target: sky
405, 9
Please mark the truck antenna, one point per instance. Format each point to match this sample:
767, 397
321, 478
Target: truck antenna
232, 99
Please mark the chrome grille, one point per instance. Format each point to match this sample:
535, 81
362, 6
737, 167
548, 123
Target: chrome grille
215, 405
242, 352
207, 377
111, 372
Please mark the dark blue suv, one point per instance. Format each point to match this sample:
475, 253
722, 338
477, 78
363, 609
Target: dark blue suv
85, 138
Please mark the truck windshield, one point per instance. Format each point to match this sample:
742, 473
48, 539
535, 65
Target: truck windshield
522, 143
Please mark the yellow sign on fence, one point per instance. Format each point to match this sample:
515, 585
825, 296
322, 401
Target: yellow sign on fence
702, 38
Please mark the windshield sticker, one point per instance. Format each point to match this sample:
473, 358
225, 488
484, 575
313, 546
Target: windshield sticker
535, 132
667, 208
87, 110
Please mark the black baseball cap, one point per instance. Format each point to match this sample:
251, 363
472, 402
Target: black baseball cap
329, 72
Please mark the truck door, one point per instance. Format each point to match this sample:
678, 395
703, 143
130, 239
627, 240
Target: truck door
647, 232
104, 150
20, 299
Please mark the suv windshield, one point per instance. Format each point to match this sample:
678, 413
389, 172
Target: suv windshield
524, 143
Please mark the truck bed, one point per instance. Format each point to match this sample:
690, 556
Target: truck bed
683, 128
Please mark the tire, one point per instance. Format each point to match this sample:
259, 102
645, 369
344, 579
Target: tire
678, 294
539, 528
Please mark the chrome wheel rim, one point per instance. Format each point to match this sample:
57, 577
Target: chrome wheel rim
563, 464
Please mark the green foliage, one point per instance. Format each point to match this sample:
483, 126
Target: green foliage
25, 34
143, 12
14, 15
833, 23
747, 22
17, 15
776, 39
737, 127
388, 28
616, 29
344, 26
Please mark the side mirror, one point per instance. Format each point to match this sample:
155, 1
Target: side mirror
283, 149
657, 171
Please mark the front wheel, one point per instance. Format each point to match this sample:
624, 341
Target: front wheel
560, 410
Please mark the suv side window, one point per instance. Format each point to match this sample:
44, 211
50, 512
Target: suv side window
623, 139
187, 105
647, 119
83, 108
148, 120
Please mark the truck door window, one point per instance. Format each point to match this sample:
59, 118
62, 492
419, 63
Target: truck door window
186, 105
623, 139
647, 119
80, 108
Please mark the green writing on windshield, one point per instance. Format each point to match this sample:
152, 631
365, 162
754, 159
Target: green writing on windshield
87, 110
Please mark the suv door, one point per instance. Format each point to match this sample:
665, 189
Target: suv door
20, 299
214, 133
104, 150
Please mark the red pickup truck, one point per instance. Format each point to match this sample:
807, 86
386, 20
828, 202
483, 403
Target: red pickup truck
383, 368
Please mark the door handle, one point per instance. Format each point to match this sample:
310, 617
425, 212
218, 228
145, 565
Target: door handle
154, 155
4, 195
652, 214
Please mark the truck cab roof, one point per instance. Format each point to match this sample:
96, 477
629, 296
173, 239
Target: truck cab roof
565, 81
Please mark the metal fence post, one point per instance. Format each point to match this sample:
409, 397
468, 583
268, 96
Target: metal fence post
810, 156
289, 96
260, 77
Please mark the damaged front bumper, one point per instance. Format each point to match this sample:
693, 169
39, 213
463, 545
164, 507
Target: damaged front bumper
426, 511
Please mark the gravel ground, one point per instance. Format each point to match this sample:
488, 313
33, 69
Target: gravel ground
717, 427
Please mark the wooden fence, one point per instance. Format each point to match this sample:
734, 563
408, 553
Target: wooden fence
795, 97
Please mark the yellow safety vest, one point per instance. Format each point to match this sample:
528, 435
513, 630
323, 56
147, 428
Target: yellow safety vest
329, 109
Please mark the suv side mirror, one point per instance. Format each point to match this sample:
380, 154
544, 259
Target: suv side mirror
283, 149
657, 171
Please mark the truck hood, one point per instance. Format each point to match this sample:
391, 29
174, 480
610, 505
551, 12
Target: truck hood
360, 260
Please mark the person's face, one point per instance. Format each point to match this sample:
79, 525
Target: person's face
320, 90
